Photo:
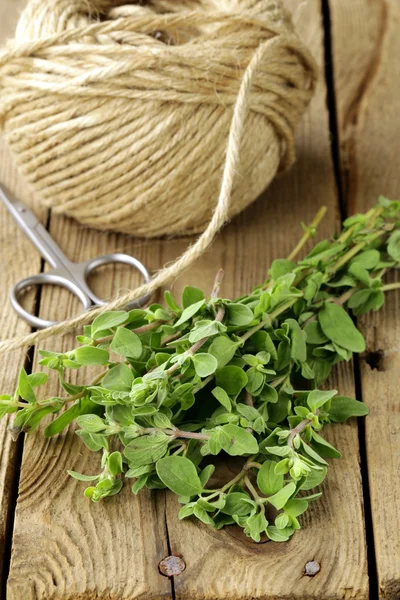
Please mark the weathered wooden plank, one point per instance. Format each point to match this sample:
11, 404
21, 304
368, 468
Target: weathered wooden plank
62, 551
65, 546
219, 564
366, 51
14, 249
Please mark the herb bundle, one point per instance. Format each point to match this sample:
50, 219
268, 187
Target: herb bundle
182, 384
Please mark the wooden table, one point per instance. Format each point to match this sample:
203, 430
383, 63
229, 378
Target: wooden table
56, 545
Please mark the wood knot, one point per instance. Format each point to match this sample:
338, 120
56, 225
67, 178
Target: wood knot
172, 565
374, 359
311, 568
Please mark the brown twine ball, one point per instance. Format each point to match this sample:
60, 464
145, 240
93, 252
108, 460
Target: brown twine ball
119, 113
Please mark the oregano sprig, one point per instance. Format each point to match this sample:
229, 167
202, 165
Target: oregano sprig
181, 384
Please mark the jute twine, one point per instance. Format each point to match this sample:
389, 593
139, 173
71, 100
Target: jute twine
131, 119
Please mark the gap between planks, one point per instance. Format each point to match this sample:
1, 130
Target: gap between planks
366, 53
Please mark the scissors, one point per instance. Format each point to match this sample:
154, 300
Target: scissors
67, 274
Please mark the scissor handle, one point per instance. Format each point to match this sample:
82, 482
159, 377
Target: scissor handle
114, 258
49, 279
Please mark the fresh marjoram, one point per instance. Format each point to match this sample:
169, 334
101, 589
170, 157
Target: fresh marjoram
182, 384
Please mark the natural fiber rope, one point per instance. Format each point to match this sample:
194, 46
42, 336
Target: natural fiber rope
249, 99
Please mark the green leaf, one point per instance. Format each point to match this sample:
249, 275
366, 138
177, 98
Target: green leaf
343, 408
393, 246
232, 379
279, 499
323, 447
91, 423
240, 443
170, 301
367, 259
189, 312
222, 398
81, 477
25, 388
279, 535
204, 364
108, 320
202, 515
224, 349
298, 349
191, 295
205, 329
90, 355
267, 480
236, 503
314, 333
281, 266
36, 379
239, 314
146, 449
296, 507
314, 479
179, 475
205, 474
80, 407
338, 327
93, 441
114, 463
318, 398
126, 343
118, 378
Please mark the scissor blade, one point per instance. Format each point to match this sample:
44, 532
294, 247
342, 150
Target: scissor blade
33, 228
20, 213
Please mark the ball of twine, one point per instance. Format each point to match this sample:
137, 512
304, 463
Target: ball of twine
152, 118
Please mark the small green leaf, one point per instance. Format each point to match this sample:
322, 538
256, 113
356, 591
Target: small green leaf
224, 349
118, 378
222, 398
393, 246
281, 266
91, 423
268, 481
146, 449
236, 503
280, 498
81, 477
240, 443
126, 343
204, 364
338, 327
108, 320
189, 312
179, 475
191, 295
25, 388
232, 379
318, 398
343, 408
114, 463
239, 314
90, 355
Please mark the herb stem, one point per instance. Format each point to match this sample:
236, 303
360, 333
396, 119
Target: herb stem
308, 233
390, 286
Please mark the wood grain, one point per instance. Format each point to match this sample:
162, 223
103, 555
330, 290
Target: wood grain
64, 546
368, 113
219, 564
14, 250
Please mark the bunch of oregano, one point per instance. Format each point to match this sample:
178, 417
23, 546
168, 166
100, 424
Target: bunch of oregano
184, 383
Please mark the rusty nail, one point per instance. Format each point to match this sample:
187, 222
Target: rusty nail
312, 568
171, 566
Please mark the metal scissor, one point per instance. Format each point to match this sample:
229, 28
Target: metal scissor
72, 276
